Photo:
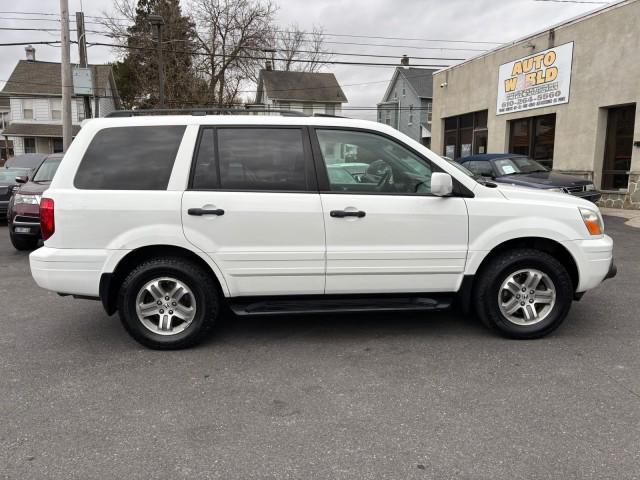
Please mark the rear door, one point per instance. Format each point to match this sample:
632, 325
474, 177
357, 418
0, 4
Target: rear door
385, 231
253, 206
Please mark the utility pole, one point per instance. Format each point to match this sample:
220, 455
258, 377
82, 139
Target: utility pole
157, 21
65, 74
82, 51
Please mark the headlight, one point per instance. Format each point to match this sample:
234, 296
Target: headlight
559, 190
592, 220
26, 199
590, 187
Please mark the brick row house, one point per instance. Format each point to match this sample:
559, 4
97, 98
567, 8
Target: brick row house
35, 104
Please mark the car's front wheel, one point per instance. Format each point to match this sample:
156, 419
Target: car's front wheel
523, 293
168, 303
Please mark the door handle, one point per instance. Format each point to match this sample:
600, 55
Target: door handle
346, 213
198, 212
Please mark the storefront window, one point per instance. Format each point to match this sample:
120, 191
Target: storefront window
618, 147
465, 134
534, 137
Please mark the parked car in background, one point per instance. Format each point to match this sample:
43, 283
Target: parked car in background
523, 171
28, 161
24, 208
8, 185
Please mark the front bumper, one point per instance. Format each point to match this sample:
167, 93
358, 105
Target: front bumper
594, 259
27, 226
4, 208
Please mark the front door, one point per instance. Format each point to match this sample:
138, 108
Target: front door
385, 231
253, 207
618, 147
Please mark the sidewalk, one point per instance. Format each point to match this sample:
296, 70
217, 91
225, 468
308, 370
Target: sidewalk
632, 216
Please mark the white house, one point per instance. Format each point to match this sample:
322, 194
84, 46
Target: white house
35, 100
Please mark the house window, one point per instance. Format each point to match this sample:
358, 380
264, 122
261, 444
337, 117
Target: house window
395, 95
534, 137
80, 107
410, 114
429, 112
57, 145
404, 89
465, 134
307, 108
56, 108
29, 145
285, 106
330, 109
27, 108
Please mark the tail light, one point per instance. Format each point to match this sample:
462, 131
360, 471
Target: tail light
47, 220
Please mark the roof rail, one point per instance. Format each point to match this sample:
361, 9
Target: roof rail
330, 115
202, 111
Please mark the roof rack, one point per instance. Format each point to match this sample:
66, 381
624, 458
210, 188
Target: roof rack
330, 115
202, 111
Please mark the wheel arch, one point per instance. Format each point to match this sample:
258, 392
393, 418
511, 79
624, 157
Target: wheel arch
547, 245
110, 282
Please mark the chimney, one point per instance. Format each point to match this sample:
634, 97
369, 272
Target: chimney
404, 61
268, 66
31, 53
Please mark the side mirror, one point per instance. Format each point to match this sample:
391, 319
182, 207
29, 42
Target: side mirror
22, 179
441, 184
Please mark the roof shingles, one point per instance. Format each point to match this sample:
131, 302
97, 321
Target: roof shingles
300, 86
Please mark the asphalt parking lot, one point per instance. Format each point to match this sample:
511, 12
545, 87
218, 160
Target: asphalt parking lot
345, 397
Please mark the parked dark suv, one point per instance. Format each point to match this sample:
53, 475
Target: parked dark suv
24, 207
520, 170
8, 185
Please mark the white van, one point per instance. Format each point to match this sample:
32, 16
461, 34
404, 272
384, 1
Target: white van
166, 217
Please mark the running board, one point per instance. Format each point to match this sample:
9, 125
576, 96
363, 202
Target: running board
254, 306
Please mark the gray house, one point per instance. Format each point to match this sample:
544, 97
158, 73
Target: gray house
407, 103
309, 92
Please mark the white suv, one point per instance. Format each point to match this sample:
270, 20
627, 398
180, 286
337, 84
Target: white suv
164, 218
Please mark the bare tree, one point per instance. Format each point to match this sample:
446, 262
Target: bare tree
230, 34
301, 51
118, 20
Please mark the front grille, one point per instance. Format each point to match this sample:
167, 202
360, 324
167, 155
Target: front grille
578, 189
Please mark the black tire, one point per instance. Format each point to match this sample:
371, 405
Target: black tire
490, 279
200, 283
23, 242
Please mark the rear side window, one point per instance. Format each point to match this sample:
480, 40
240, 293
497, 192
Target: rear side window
252, 159
130, 158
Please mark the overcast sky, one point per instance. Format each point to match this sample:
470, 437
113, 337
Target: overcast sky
474, 20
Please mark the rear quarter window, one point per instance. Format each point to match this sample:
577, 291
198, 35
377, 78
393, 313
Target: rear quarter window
130, 158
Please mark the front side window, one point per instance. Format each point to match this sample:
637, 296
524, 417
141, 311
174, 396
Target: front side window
27, 108
29, 145
365, 162
261, 159
130, 158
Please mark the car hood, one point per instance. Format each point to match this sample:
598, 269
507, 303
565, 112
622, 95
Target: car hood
526, 194
543, 180
32, 188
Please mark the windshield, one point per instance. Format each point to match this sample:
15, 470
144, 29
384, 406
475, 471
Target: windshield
513, 165
463, 169
10, 174
47, 170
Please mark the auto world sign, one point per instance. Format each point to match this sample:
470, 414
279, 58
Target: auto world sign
538, 80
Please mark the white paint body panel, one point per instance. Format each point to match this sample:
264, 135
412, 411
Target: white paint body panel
286, 243
403, 244
265, 243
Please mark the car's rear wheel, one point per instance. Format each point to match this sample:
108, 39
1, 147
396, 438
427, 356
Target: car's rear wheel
23, 242
523, 293
168, 303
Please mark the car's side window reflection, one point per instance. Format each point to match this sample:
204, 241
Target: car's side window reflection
369, 163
